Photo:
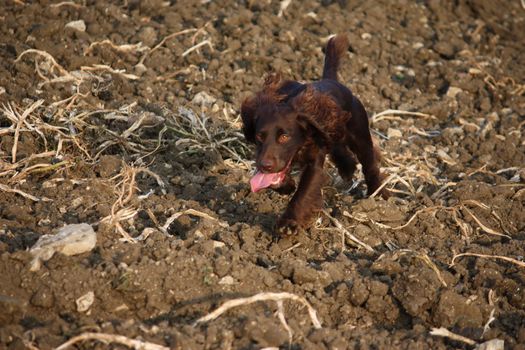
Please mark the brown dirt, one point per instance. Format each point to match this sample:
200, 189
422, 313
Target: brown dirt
461, 62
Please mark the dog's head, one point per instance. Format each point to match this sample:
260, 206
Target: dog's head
278, 134
280, 129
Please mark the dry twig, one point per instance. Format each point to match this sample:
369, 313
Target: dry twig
112, 338
261, 297
443, 332
119, 210
345, 232
23, 194
196, 47
194, 212
485, 256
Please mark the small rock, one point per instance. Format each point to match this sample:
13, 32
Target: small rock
416, 290
445, 48
485, 104
394, 133
266, 333
378, 288
43, 297
218, 244
79, 25
227, 281
493, 344
85, 301
203, 99
221, 266
12, 309
358, 293
140, 69
445, 158
108, 166
453, 310
148, 36
304, 274
453, 91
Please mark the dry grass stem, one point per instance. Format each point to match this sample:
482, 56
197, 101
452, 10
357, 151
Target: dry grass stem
195, 47
283, 6
261, 297
9, 168
67, 3
112, 338
485, 256
362, 217
296, 245
491, 319
120, 48
426, 259
344, 231
443, 332
20, 120
104, 67
166, 38
120, 211
391, 112
48, 57
193, 212
280, 315
195, 133
23, 194
424, 210
454, 210
483, 227
383, 185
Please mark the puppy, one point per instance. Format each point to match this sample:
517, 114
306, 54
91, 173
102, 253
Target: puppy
296, 124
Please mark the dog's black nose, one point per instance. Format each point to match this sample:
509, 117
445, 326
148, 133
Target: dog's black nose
267, 165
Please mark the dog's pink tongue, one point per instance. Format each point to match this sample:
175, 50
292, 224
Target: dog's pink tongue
262, 180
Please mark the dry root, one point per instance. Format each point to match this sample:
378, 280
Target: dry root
112, 338
277, 297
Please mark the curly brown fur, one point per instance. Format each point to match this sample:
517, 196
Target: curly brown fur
299, 124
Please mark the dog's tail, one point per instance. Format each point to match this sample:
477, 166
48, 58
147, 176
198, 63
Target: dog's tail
335, 49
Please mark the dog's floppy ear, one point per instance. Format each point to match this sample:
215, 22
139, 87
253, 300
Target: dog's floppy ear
311, 126
269, 95
248, 108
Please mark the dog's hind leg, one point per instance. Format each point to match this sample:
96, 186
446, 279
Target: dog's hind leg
369, 157
360, 142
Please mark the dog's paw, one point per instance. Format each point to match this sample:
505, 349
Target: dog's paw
288, 227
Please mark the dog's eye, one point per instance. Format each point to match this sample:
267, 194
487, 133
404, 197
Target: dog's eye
283, 138
259, 137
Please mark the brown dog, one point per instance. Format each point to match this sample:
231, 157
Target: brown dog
299, 124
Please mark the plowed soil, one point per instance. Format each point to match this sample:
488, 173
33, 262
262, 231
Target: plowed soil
138, 121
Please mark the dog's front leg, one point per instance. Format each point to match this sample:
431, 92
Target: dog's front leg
307, 200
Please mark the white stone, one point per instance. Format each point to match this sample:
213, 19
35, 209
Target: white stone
85, 301
227, 281
69, 240
79, 25
453, 91
394, 133
203, 99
